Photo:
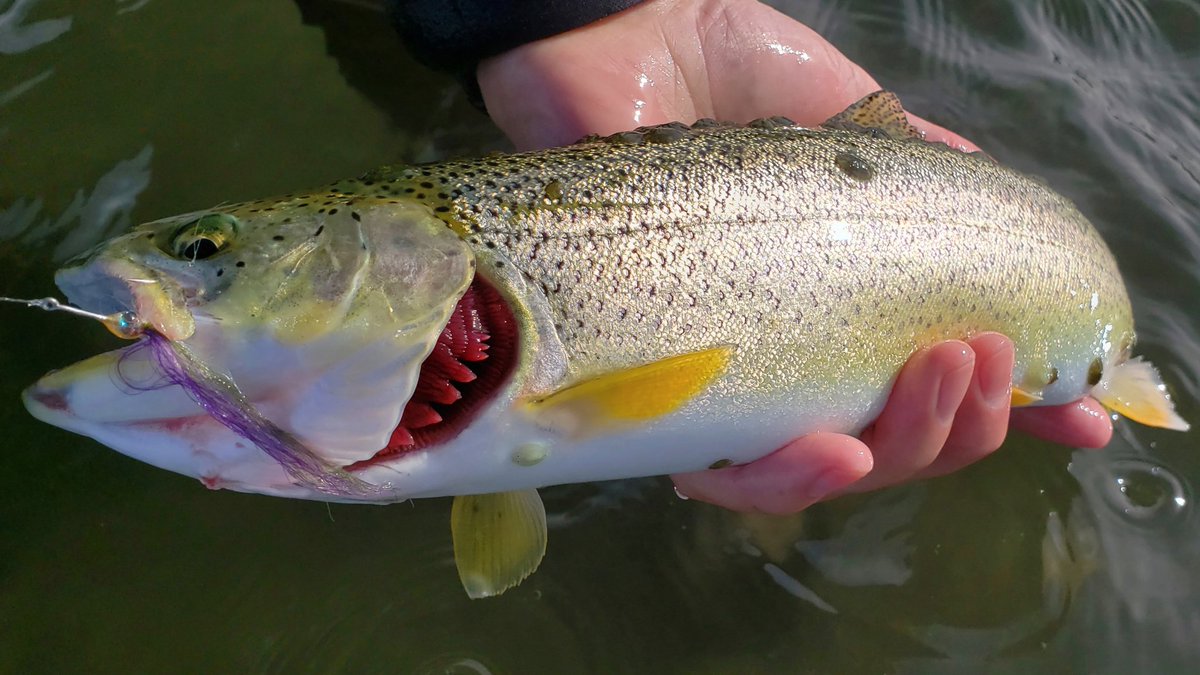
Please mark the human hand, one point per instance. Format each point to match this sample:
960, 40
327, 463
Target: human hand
669, 60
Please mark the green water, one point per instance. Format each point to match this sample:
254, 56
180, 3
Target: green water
1036, 560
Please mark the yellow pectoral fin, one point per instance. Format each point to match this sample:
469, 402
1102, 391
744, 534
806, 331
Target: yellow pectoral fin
1022, 397
632, 395
499, 539
1135, 390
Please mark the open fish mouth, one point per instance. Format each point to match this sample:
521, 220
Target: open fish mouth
122, 399
472, 360
118, 399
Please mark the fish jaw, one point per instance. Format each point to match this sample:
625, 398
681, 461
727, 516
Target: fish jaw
122, 400
340, 395
109, 399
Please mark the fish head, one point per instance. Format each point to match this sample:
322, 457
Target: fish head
321, 309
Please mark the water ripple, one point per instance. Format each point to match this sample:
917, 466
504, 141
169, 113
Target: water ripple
16, 37
89, 219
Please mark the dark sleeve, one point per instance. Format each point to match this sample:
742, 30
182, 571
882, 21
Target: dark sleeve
455, 35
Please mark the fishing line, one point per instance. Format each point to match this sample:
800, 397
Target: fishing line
125, 325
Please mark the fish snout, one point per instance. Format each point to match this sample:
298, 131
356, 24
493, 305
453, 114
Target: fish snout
107, 285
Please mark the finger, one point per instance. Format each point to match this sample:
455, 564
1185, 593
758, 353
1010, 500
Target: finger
786, 481
821, 81
919, 414
981, 421
662, 62
1082, 424
936, 134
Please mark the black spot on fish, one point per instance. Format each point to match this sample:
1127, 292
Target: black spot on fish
221, 271
319, 231
1095, 372
355, 216
854, 166
1053, 376
241, 263
278, 237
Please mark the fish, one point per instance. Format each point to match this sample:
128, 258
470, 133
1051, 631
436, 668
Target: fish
668, 299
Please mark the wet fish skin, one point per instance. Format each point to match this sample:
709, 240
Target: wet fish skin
812, 262
828, 256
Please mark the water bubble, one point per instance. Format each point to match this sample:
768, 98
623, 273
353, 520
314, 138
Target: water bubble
1146, 492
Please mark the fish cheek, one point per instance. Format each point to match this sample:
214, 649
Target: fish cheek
307, 291
384, 267
418, 265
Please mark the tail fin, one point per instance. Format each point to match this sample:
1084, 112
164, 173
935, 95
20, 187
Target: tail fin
1135, 390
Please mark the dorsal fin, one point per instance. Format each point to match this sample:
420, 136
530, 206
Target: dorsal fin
879, 110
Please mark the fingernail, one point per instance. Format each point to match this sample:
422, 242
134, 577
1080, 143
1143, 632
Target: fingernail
953, 387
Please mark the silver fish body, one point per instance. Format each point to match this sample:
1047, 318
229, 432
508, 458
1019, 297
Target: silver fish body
679, 297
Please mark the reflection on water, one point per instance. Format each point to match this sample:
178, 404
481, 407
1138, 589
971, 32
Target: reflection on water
873, 548
18, 90
126, 6
1036, 561
87, 220
794, 587
17, 36
1070, 553
1141, 611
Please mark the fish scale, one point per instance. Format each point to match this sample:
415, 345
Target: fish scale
932, 244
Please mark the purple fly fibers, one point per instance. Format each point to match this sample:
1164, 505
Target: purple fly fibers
221, 398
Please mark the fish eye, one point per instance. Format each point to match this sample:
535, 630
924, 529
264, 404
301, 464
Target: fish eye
204, 237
